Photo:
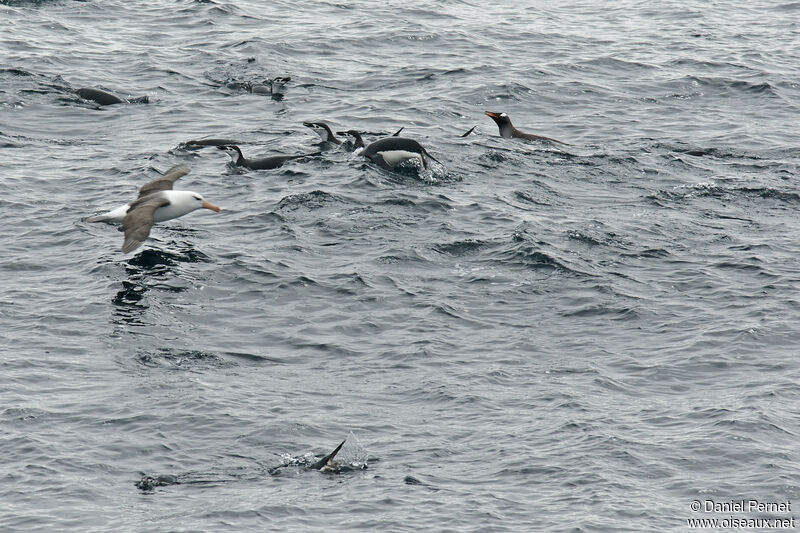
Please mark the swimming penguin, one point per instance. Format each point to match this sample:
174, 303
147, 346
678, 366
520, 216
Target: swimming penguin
507, 129
392, 151
273, 87
239, 160
156, 202
357, 141
276, 84
326, 465
324, 132
106, 98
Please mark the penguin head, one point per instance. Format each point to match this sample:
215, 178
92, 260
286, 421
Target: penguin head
358, 142
322, 129
503, 122
276, 84
233, 151
500, 118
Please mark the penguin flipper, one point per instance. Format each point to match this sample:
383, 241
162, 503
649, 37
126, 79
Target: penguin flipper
470, 131
325, 461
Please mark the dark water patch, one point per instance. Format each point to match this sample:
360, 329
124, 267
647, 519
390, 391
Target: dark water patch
594, 235
530, 256
255, 358
175, 359
460, 248
310, 201
323, 348
258, 221
411, 480
533, 197
717, 152
769, 193
15, 72
788, 7
616, 313
699, 86
614, 65
507, 92
130, 295
741, 266
299, 281
352, 284
151, 259
401, 257
23, 414
431, 205
722, 192
648, 253
525, 251
493, 156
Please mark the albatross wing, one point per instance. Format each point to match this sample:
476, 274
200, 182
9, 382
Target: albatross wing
139, 220
165, 182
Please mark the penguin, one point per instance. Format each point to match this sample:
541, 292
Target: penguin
273, 87
106, 98
324, 132
357, 141
392, 151
276, 84
507, 129
239, 160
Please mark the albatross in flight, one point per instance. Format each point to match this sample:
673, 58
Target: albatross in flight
156, 202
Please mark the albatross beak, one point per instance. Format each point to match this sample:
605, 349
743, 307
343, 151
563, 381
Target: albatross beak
209, 205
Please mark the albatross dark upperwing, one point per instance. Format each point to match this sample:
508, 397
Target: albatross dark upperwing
165, 182
139, 220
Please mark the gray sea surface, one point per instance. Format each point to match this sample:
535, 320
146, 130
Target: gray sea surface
528, 336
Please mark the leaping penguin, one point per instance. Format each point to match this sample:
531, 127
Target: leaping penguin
392, 151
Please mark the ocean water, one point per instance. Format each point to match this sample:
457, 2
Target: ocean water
527, 337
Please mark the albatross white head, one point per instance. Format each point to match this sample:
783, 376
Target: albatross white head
181, 203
